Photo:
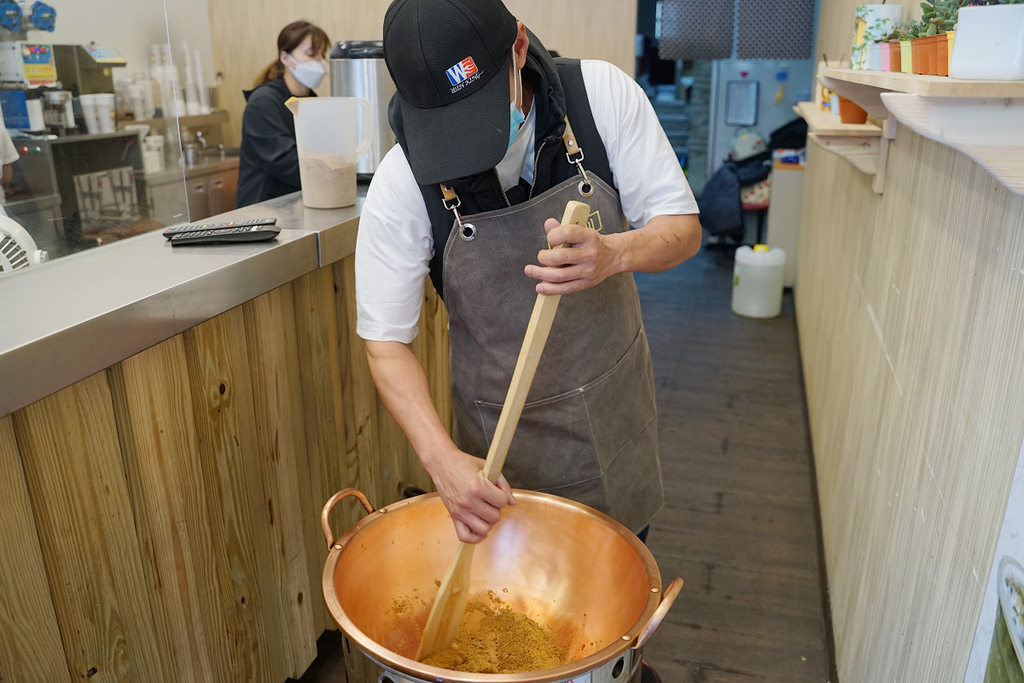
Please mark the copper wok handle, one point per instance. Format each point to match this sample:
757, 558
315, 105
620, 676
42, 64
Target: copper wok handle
667, 599
325, 515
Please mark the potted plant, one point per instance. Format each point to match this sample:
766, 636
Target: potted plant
904, 35
918, 45
871, 24
940, 18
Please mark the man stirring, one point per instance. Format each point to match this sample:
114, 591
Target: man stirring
494, 138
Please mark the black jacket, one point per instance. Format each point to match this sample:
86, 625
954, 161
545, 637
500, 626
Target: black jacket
268, 166
721, 212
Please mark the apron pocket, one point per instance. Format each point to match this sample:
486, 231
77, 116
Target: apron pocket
574, 435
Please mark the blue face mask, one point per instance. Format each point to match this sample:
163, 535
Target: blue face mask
515, 117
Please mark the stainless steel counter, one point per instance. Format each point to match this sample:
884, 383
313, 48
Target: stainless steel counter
63, 321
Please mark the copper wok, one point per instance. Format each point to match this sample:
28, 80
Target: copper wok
565, 565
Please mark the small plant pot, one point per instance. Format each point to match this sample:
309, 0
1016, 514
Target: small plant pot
895, 58
932, 45
941, 64
919, 46
906, 56
950, 37
874, 57
849, 112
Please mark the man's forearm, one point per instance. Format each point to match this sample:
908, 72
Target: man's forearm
664, 243
402, 385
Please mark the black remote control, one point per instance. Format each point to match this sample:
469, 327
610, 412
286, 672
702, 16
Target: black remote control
231, 233
203, 227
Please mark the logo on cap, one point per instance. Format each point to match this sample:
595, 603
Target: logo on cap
460, 73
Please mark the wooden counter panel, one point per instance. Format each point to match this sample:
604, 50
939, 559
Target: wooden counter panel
176, 496
362, 420
30, 645
185, 566
910, 306
88, 531
277, 395
320, 350
223, 411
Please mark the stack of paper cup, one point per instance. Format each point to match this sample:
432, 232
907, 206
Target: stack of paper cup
98, 111
88, 102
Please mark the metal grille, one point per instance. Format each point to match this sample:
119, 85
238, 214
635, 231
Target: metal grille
708, 29
696, 29
12, 255
782, 29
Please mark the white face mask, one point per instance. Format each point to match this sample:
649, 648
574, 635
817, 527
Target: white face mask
515, 116
310, 73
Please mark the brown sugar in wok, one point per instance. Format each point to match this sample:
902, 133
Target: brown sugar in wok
493, 638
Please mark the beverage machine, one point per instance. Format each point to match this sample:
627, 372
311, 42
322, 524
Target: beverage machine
74, 181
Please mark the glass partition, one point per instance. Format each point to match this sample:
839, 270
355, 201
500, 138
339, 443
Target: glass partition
113, 125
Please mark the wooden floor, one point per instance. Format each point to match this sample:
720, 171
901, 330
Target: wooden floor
740, 523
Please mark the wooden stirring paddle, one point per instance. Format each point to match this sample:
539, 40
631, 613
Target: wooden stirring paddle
452, 596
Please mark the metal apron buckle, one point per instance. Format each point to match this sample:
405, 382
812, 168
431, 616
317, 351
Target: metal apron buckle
585, 188
451, 201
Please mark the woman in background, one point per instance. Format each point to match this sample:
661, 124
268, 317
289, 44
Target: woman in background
268, 166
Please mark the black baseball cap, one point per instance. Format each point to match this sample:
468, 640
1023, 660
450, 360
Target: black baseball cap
449, 60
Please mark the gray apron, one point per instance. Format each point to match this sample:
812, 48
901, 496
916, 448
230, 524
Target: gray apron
588, 431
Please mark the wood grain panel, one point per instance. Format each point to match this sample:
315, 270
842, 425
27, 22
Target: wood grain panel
186, 568
316, 332
222, 401
245, 32
910, 306
344, 314
363, 419
30, 645
278, 403
88, 533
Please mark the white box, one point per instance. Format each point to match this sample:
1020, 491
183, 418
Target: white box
989, 43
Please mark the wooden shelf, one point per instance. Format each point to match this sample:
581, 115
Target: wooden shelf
861, 144
930, 86
981, 119
823, 123
988, 130
861, 152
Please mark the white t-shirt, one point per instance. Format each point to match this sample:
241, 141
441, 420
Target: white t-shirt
394, 245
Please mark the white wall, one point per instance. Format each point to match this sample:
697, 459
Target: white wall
131, 26
770, 115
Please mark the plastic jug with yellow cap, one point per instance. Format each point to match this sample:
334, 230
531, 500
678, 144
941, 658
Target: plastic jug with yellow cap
757, 278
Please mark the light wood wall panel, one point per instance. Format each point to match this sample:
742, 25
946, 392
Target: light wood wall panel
223, 412
173, 501
835, 26
70, 451
910, 306
244, 34
29, 638
185, 568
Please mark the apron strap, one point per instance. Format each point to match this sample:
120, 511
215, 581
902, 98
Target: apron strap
569, 140
451, 201
573, 148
